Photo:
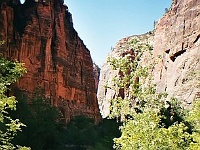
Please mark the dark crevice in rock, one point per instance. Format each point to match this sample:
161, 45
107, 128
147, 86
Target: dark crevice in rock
43, 53
53, 46
161, 73
19, 23
167, 51
176, 82
81, 65
105, 91
173, 57
184, 28
197, 39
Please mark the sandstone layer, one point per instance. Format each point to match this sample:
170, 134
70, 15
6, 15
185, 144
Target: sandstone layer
177, 41
176, 51
41, 35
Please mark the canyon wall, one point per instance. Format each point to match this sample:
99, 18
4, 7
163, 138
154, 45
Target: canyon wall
123, 48
177, 42
96, 72
176, 51
41, 35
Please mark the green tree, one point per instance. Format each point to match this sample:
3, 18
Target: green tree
43, 125
194, 119
79, 132
107, 129
10, 72
149, 120
83, 134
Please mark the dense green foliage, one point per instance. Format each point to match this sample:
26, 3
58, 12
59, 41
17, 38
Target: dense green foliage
43, 127
150, 121
45, 131
83, 134
194, 119
9, 73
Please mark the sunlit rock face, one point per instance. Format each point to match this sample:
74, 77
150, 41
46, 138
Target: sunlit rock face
122, 48
177, 42
176, 49
41, 34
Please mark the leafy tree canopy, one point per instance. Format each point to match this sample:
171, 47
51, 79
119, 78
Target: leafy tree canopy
150, 121
10, 72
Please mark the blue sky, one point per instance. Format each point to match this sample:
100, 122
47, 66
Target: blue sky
101, 23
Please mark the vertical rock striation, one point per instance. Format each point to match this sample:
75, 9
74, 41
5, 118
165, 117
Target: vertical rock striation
177, 42
96, 72
176, 49
41, 34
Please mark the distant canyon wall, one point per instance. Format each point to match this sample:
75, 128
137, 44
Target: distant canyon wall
176, 48
41, 35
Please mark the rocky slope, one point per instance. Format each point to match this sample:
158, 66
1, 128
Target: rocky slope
41, 34
176, 51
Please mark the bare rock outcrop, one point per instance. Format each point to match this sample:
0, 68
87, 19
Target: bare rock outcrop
177, 42
41, 35
96, 72
176, 49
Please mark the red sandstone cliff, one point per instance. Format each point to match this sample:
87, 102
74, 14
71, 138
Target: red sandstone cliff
41, 35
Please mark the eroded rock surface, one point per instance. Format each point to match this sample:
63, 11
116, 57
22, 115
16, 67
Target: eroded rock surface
177, 42
122, 48
96, 72
41, 34
176, 51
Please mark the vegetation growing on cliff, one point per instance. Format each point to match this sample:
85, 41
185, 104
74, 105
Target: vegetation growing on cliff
10, 72
150, 121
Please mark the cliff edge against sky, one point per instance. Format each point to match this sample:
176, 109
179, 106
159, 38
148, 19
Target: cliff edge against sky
176, 51
41, 35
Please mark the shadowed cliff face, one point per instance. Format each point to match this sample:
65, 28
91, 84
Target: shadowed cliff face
41, 35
